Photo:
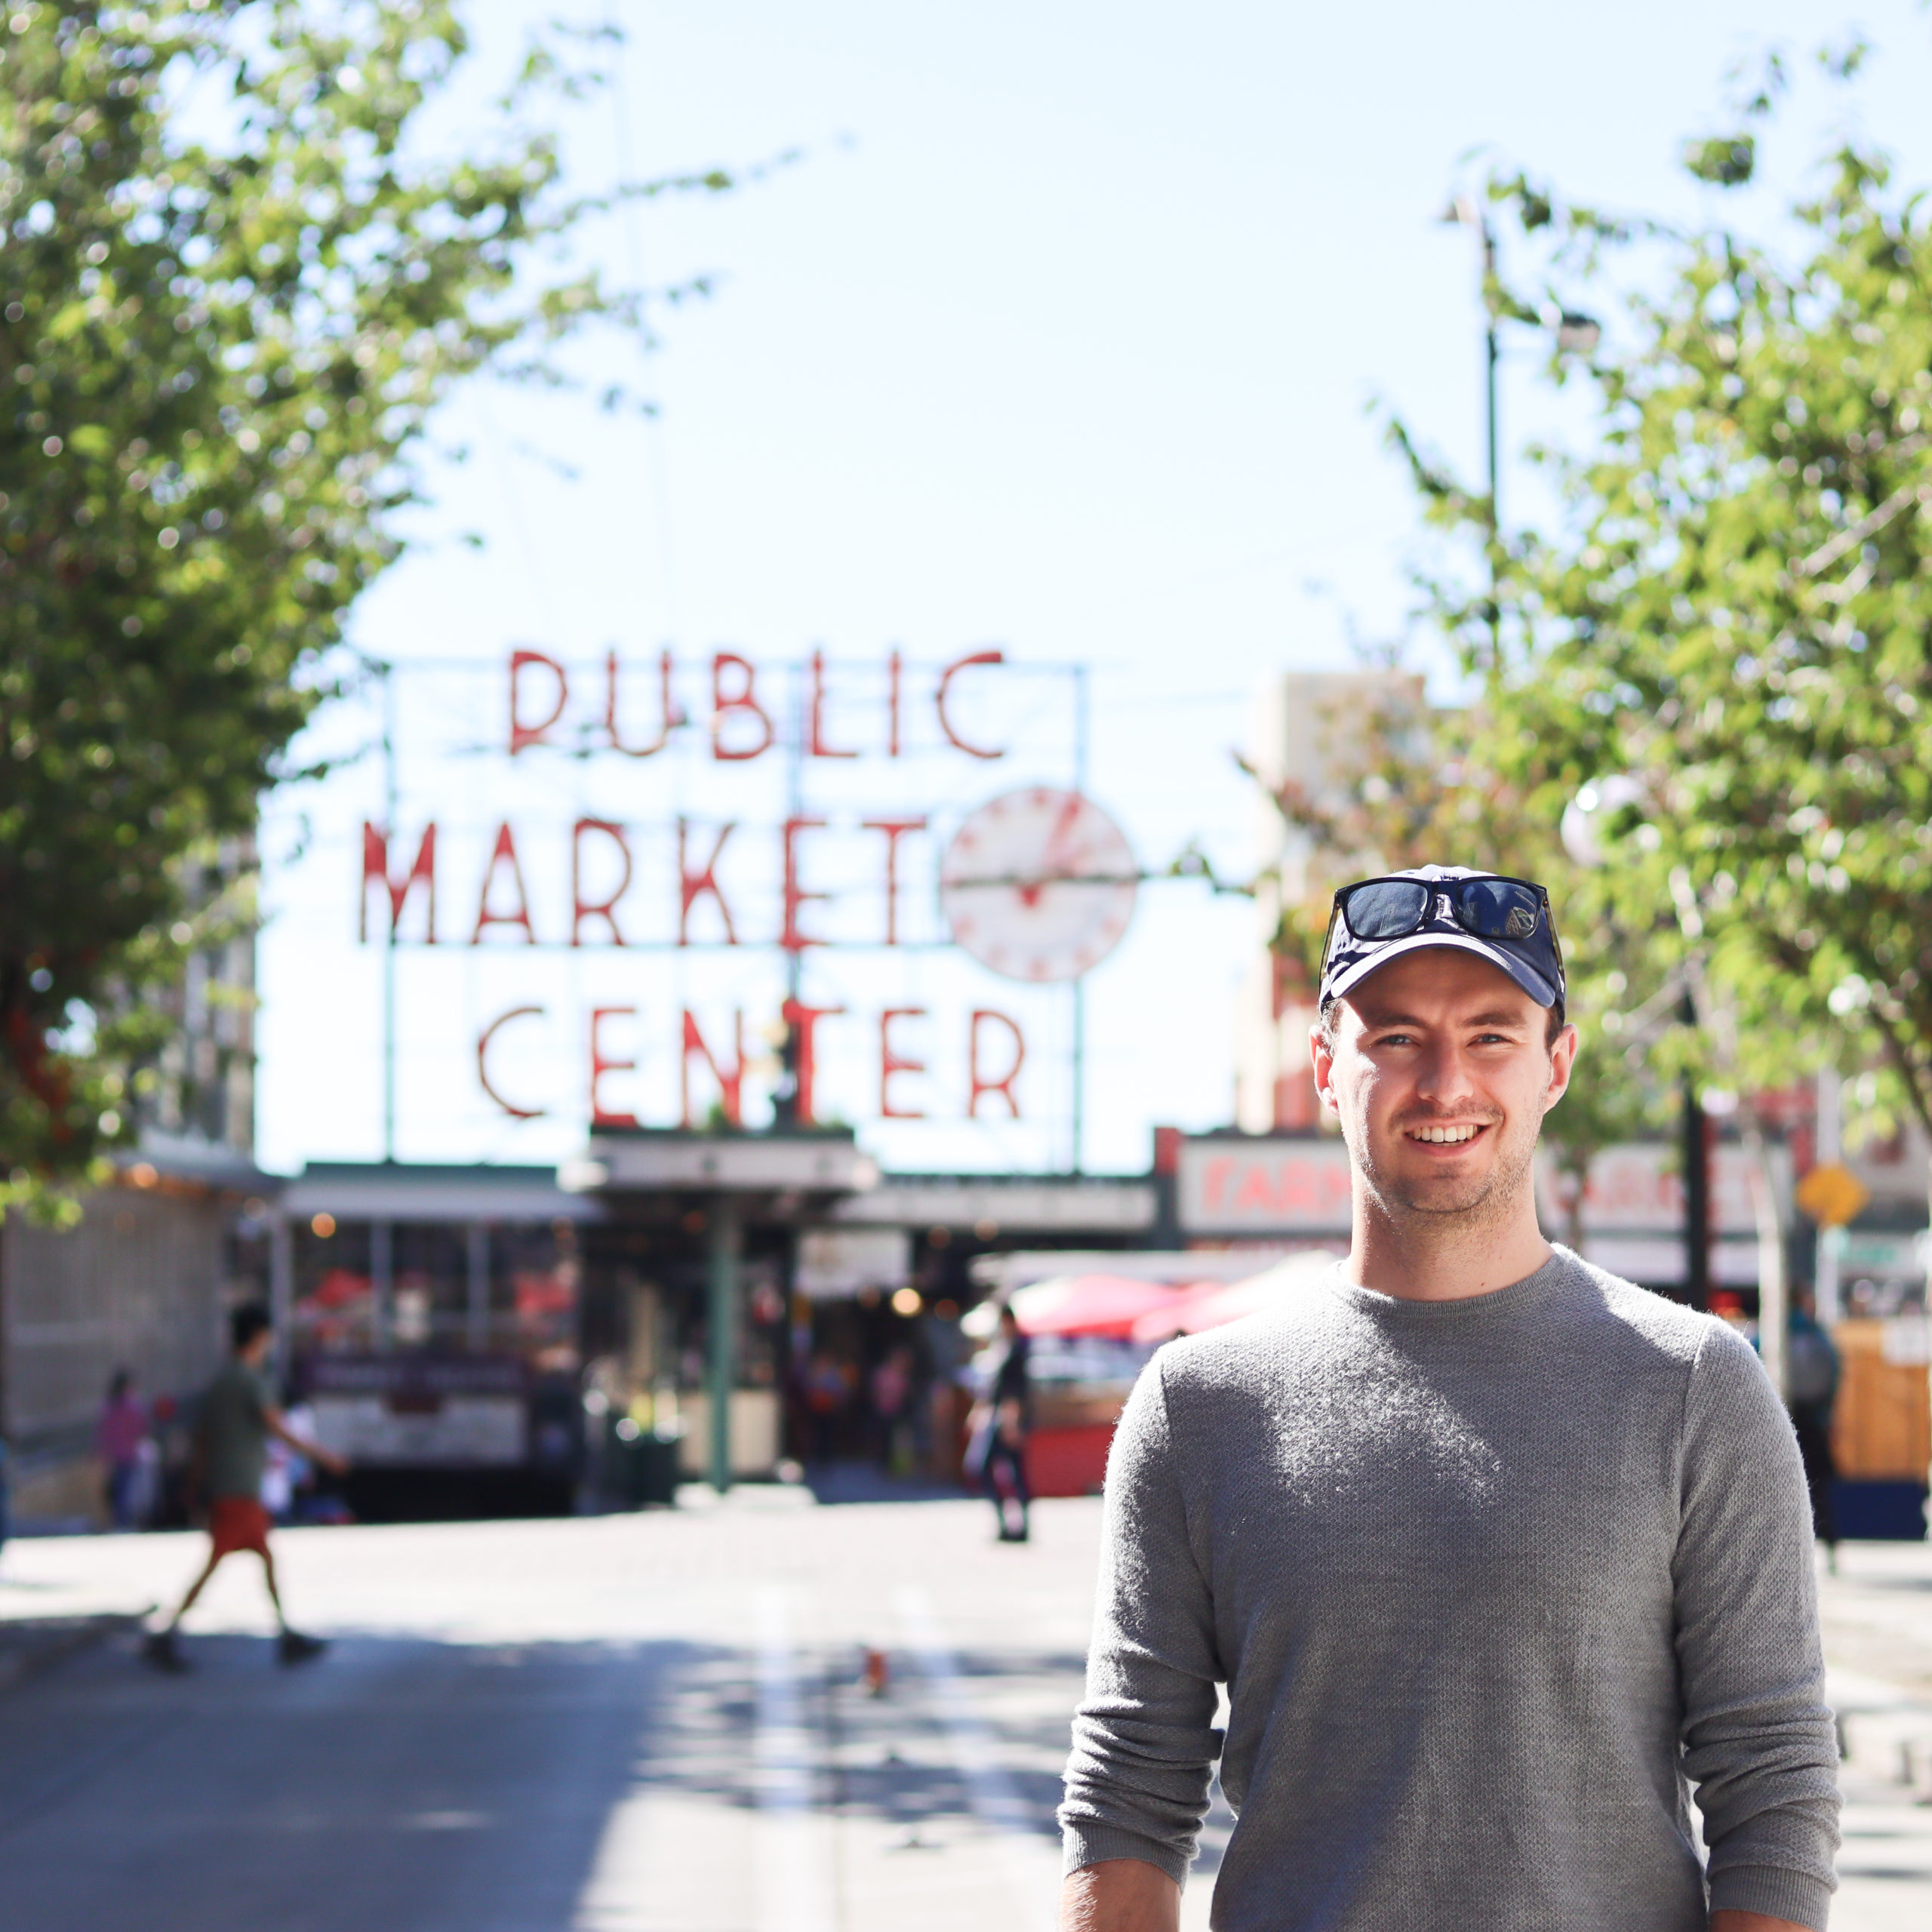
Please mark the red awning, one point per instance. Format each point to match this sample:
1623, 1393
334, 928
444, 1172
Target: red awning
1213, 1305
1091, 1305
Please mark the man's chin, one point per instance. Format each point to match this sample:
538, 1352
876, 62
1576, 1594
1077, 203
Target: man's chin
1440, 1192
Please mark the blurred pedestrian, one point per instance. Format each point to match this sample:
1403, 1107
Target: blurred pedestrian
826, 1390
1497, 1557
997, 1430
1811, 1372
120, 1437
238, 1416
891, 1393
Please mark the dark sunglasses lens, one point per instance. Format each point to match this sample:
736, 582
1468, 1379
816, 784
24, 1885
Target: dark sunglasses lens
1495, 908
1386, 907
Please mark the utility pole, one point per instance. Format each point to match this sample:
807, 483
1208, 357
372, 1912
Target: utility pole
387, 672
724, 1256
1081, 722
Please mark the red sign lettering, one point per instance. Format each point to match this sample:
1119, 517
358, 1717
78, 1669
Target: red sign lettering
979, 1083
523, 732
730, 1085
890, 1062
939, 696
694, 886
376, 867
802, 1023
604, 909
894, 829
818, 747
483, 1040
744, 701
789, 937
669, 718
502, 853
600, 1065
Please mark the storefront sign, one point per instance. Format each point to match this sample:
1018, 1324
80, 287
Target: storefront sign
1231, 1186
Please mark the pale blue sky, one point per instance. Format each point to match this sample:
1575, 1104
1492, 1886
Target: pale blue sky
1060, 339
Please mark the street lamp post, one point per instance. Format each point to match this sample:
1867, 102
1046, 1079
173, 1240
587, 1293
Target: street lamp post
1577, 334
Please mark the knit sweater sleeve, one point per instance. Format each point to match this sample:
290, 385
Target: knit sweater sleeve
1757, 1736
1144, 1744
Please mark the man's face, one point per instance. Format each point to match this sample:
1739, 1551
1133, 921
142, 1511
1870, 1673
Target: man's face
258, 1348
1440, 1077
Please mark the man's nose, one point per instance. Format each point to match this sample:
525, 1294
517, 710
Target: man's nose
1444, 1074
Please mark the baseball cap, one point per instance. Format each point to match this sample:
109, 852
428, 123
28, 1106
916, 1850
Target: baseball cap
1506, 920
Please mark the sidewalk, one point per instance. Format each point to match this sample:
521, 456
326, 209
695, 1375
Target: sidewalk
1877, 1619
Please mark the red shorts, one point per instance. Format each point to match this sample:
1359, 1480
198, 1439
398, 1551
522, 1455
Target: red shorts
238, 1522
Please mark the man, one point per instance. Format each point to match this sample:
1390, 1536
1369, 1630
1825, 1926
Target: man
1496, 1555
238, 1415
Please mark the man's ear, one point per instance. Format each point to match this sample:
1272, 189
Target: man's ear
1562, 1061
1323, 1056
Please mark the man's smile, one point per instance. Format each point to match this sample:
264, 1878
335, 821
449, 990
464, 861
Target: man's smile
1438, 1135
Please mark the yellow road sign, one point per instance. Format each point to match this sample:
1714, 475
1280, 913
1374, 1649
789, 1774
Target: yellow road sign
1831, 1195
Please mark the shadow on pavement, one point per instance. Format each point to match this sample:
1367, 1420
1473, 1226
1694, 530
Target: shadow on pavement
866, 1482
402, 1785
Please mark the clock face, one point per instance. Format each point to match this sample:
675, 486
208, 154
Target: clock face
1038, 884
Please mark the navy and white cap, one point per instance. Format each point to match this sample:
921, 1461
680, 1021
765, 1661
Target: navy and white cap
1506, 920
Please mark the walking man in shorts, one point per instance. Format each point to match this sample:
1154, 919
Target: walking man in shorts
1497, 1556
238, 1415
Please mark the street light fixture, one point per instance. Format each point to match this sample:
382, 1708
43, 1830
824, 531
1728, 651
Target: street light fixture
1577, 334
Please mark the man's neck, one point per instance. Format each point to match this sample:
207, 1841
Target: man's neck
1442, 1257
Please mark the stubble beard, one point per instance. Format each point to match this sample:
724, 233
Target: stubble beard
1463, 1209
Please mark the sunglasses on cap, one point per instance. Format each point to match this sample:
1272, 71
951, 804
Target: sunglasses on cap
1376, 909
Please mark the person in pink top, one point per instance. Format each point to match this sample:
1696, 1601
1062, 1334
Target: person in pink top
118, 1437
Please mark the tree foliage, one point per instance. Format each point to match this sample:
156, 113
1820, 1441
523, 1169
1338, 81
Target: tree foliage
235, 285
1732, 617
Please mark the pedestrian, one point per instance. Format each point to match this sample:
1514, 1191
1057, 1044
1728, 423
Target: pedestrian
120, 1437
997, 1430
1812, 1371
239, 1415
1497, 1555
826, 1387
891, 1390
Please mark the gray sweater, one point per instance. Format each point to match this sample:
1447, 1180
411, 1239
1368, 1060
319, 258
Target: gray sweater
1490, 1583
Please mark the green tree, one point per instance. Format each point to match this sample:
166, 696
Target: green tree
235, 285
1732, 615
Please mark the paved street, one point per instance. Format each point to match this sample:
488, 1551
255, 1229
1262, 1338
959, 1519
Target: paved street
660, 1723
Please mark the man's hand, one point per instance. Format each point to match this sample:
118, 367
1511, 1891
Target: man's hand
1750, 1921
1127, 1895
